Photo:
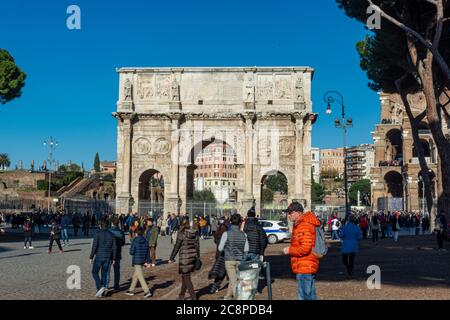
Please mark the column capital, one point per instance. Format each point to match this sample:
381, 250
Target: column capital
175, 118
124, 116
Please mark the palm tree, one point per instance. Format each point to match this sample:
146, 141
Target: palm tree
4, 161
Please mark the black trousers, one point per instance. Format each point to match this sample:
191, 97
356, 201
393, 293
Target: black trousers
186, 284
58, 242
440, 239
375, 235
349, 260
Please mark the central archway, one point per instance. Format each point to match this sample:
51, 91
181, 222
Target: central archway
394, 186
211, 178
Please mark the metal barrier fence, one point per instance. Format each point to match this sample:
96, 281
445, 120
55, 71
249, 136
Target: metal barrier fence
91, 206
22, 205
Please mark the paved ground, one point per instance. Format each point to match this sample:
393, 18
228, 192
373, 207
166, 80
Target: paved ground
410, 269
35, 274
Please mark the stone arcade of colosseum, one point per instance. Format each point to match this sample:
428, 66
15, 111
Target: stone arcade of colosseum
166, 116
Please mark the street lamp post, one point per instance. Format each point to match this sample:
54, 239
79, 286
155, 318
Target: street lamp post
343, 123
51, 145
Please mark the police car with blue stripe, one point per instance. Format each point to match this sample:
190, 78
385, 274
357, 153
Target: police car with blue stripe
276, 231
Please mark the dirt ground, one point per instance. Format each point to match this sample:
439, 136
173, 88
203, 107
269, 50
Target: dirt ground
410, 269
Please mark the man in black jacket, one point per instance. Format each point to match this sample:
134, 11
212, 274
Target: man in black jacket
104, 249
120, 242
257, 238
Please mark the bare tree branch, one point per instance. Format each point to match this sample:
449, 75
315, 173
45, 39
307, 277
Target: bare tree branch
439, 23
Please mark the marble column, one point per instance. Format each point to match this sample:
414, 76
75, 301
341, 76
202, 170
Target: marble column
306, 176
248, 199
173, 199
127, 136
299, 132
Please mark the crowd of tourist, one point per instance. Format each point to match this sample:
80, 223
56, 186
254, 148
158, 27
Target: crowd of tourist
238, 240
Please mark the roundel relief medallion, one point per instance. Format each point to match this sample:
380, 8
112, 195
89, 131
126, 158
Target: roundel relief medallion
162, 146
142, 146
286, 146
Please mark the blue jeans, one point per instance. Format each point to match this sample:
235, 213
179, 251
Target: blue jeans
104, 265
389, 230
116, 268
335, 235
27, 240
64, 235
306, 286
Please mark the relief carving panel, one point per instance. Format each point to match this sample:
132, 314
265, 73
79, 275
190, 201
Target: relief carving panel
145, 90
264, 89
283, 87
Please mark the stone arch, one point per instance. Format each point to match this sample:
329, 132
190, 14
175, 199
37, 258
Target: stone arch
394, 184
198, 143
151, 186
274, 172
200, 170
394, 145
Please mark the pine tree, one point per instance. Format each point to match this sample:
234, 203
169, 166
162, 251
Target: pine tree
97, 163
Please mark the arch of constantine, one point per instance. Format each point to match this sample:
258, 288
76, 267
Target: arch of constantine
167, 116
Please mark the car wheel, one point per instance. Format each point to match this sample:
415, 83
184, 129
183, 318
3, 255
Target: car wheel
273, 239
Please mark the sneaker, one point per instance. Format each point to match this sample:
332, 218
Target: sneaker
31, 247
100, 292
148, 294
153, 265
24, 247
129, 293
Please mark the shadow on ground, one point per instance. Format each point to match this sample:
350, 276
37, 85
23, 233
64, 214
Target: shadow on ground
411, 262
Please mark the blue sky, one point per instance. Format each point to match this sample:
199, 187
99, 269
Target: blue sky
71, 88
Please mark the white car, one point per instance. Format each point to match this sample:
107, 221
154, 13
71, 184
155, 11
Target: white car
276, 231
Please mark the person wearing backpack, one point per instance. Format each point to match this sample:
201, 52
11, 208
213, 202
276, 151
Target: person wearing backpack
441, 229
256, 236
235, 246
350, 235
304, 262
27, 232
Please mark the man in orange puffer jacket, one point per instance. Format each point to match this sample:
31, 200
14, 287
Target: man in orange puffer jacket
303, 261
